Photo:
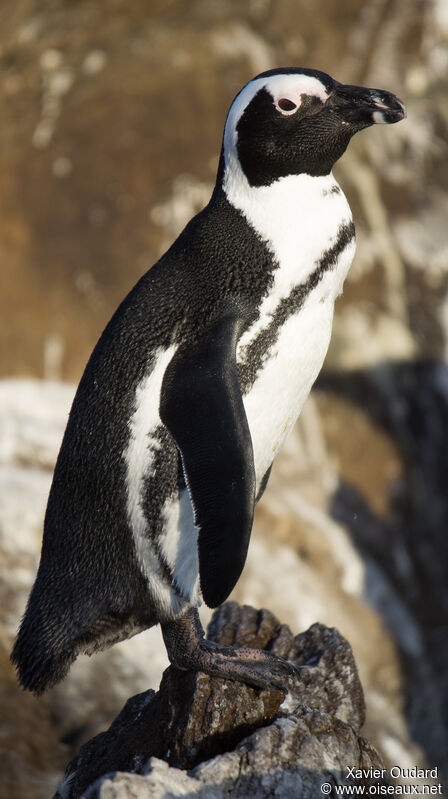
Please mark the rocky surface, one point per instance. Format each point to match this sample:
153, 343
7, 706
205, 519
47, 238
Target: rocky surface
211, 737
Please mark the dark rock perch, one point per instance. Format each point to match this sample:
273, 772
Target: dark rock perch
211, 738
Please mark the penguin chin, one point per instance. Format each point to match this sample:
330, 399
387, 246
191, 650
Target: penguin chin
388, 116
386, 109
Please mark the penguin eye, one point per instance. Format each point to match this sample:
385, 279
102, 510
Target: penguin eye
286, 105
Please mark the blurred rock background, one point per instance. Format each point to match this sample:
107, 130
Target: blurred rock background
112, 115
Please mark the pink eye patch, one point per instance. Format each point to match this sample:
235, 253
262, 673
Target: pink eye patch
286, 105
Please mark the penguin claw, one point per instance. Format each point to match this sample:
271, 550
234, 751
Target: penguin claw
189, 650
255, 667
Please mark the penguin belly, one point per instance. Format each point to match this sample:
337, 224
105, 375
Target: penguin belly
290, 367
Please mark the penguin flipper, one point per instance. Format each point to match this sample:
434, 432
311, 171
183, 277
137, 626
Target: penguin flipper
202, 407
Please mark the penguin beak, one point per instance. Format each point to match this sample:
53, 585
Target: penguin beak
361, 107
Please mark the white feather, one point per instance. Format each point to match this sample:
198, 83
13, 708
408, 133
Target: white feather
298, 217
139, 457
277, 396
180, 545
178, 542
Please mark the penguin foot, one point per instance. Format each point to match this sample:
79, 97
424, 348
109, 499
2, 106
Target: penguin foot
188, 649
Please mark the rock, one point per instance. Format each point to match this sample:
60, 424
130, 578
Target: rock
230, 737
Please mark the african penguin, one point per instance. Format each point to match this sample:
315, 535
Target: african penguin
193, 387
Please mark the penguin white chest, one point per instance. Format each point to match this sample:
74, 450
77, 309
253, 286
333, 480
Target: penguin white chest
306, 223
277, 396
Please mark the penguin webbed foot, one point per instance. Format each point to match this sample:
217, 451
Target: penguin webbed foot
189, 650
253, 666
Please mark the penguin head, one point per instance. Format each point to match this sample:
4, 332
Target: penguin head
294, 121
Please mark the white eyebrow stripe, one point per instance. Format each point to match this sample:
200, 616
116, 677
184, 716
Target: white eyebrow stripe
237, 109
295, 85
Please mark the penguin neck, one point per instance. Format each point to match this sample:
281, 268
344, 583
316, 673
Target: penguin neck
300, 192
298, 188
295, 215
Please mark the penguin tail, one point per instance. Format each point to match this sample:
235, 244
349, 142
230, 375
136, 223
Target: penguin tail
41, 655
37, 674
38, 666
